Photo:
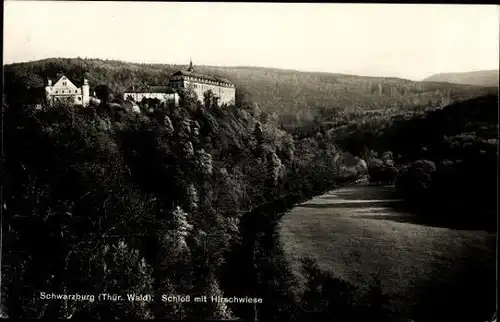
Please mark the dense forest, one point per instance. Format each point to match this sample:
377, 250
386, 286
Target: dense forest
187, 200
443, 162
172, 200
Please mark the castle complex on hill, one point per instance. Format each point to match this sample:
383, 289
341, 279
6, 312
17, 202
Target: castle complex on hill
224, 91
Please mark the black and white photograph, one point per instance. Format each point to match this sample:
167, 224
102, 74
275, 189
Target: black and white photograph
249, 161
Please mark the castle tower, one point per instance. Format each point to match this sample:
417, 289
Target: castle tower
85, 93
48, 89
191, 67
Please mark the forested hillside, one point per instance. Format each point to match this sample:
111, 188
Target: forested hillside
444, 162
182, 201
480, 78
295, 96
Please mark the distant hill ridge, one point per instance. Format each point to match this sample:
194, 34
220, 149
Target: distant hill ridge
480, 78
286, 92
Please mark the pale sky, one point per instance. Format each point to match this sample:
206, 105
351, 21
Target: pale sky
393, 40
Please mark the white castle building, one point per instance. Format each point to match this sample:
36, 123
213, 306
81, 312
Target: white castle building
159, 92
65, 90
223, 89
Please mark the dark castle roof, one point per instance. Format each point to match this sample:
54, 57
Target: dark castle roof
201, 76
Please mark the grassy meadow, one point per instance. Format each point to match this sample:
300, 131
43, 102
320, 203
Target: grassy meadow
425, 271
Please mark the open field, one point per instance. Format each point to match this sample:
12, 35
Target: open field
428, 272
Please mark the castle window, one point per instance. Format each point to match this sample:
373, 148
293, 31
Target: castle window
79, 98
64, 83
